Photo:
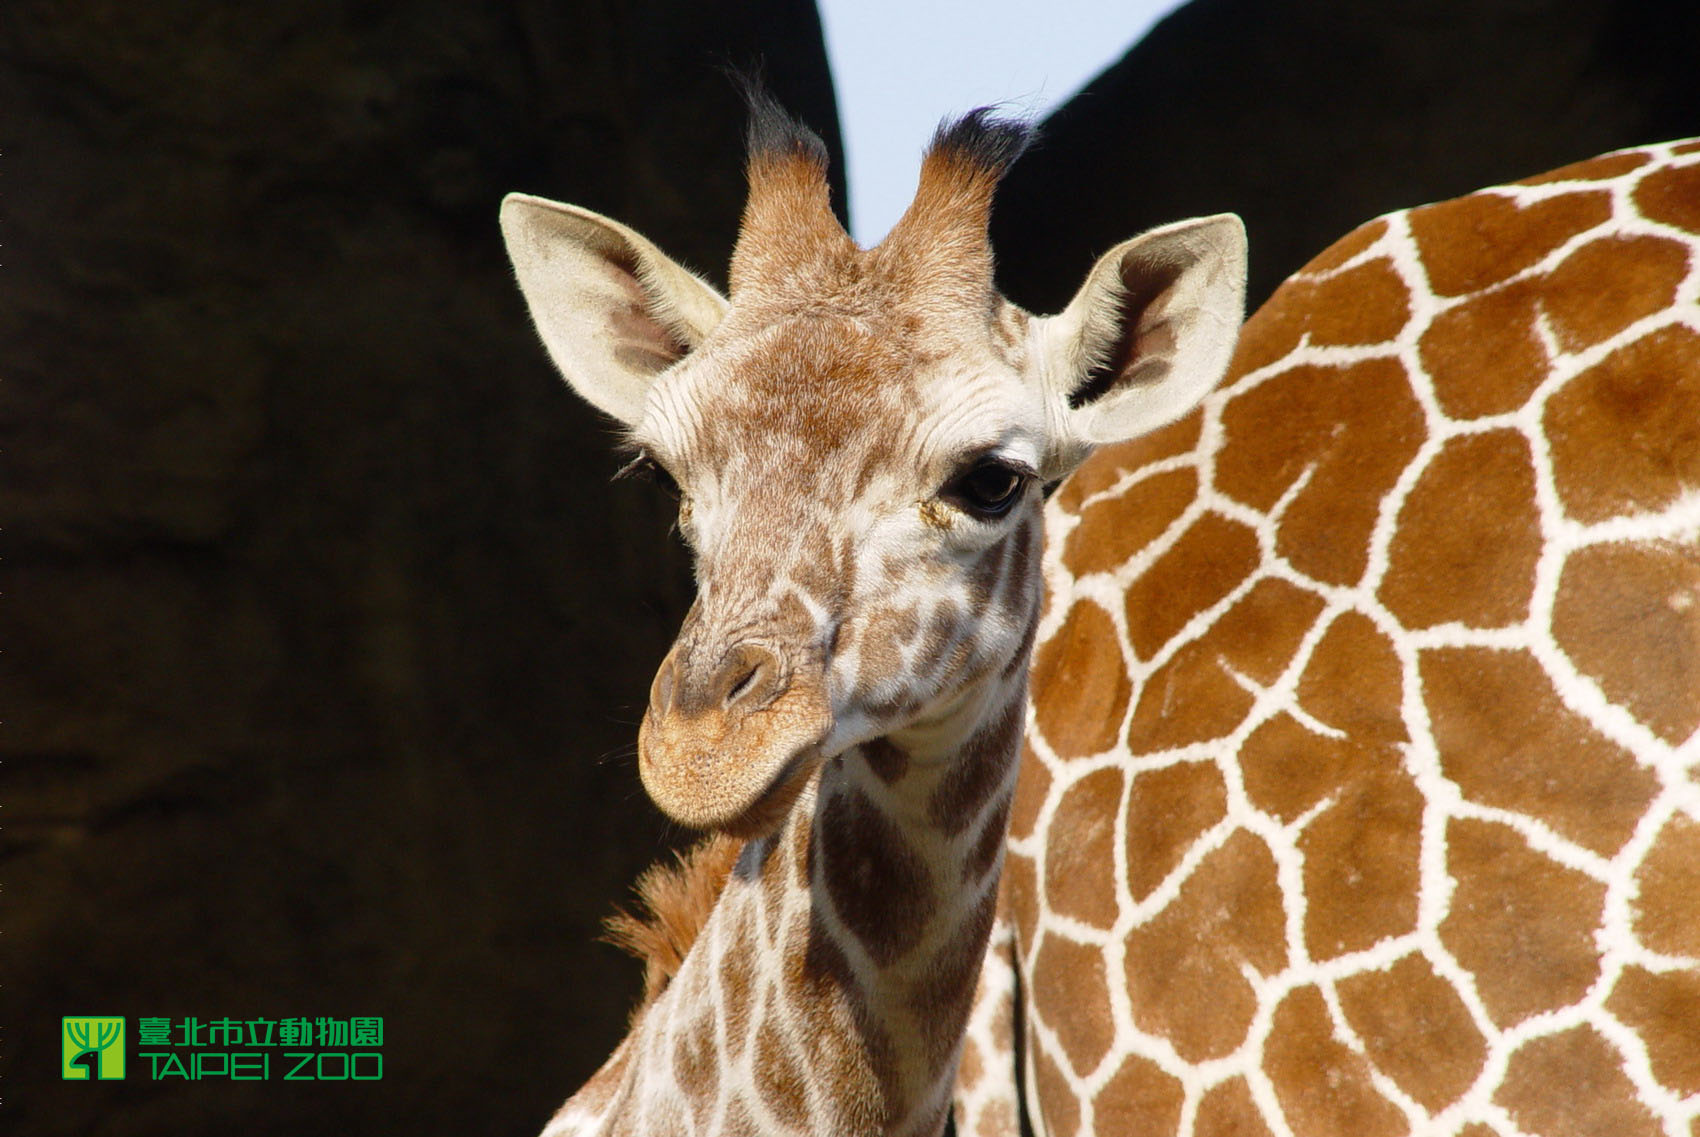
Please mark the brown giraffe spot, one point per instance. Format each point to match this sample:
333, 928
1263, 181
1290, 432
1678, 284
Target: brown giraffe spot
1109, 464
775, 887
1056, 1096
1288, 768
736, 981
886, 759
1472, 242
1522, 924
1185, 966
1572, 1084
839, 1048
695, 1067
1020, 886
1229, 1110
1189, 699
1483, 356
1269, 334
1140, 1099
944, 997
1468, 537
1345, 248
779, 1080
882, 641
1212, 557
1072, 998
1625, 433
1323, 1087
801, 840
738, 1122
1351, 429
818, 571
1354, 681
1478, 1129
987, 845
878, 884
970, 1067
1692, 147
1192, 697
1367, 304
1113, 529
1080, 862
1167, 811
1508, 741
1608, 284
1628, 616
1032, 787
1416, 1029
1593, 170
1079, 684
998, 1120
1672, 196
1361, 868
942, 638
978, 771
1667, 910
1664, 1009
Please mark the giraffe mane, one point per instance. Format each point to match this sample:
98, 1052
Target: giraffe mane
675, 898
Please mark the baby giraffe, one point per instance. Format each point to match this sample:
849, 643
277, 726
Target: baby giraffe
860, 439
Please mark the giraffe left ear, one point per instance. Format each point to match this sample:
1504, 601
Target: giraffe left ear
613, 310
1147, 336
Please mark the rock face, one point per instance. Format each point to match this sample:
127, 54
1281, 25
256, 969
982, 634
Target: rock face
1309, 116
325, 637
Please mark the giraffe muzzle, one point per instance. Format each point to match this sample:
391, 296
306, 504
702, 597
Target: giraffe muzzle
728, 746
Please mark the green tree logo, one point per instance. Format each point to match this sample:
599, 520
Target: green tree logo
92, 1047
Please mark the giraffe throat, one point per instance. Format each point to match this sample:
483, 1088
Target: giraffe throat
830, 986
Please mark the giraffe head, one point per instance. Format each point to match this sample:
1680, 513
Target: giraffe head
859, 438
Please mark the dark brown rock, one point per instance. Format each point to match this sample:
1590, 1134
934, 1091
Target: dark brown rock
1308, 118
325, 636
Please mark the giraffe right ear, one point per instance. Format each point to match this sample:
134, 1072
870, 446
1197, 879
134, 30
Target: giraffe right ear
613, 310
1148, 335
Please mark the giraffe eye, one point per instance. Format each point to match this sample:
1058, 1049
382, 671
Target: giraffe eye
644, 466
988, 489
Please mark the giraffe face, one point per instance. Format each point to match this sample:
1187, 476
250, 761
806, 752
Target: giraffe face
863, 512
859, 437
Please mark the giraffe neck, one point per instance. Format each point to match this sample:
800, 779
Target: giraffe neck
829, 989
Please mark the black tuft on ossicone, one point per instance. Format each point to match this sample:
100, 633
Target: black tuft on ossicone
772, 132
989, 142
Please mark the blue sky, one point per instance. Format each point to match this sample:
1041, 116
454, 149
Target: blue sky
900, 66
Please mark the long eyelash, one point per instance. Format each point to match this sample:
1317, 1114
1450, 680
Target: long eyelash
644, 465
639, 463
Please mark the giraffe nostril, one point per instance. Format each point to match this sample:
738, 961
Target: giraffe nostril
741, 686
661, 691
749, 678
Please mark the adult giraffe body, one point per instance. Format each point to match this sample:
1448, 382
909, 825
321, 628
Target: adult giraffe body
860, 438
1361, 793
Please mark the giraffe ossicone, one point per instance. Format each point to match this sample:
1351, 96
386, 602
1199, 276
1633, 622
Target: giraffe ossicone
1361, 794
859, 437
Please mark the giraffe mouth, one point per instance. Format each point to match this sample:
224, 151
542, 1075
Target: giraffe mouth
737, 777
775, 802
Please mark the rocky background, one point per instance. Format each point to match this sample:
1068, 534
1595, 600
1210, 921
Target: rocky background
325, 636
1307, 117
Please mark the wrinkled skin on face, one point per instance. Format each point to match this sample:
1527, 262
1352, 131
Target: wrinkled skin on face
863, 513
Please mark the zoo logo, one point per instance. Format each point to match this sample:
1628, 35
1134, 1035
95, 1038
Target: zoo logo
92, 1047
